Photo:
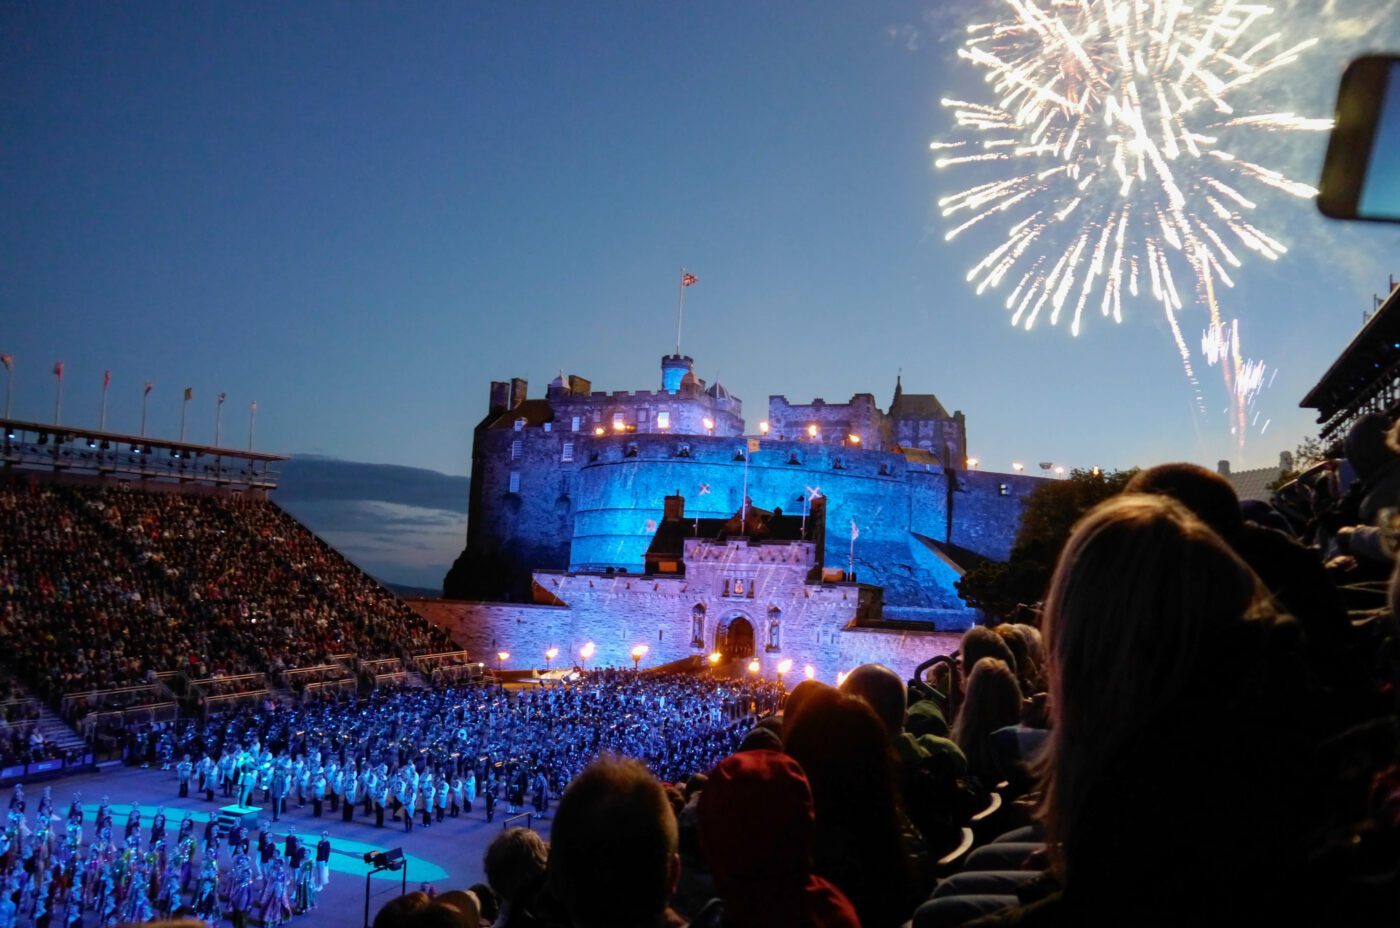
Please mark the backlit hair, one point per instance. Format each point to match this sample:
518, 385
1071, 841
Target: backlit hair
1140, 586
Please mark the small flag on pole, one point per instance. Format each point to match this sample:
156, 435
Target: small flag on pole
855, 532
222, 397
106, 378
149, 387
189, 393
253, 406
688, 280
8, 360
814, 492
704, 489
58, 369
753, 444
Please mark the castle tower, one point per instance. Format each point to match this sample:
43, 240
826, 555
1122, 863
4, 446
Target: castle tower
674, 367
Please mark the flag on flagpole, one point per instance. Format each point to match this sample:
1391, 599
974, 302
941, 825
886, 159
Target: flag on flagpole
704, 489
189, 393
106, 378
149, 386
58, 369
222, 397
814, 492
688, 280
855, 532
8, 360
253, 406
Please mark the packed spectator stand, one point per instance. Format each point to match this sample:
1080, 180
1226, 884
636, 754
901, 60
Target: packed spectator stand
1198, 725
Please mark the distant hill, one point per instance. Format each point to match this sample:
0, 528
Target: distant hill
403, 525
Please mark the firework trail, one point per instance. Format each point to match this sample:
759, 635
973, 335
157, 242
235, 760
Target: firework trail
1104, 125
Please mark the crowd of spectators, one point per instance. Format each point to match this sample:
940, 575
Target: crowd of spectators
1197, 725
1192, 728
102, 586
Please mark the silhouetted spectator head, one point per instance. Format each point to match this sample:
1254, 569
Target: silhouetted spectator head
1138, 588
798, 698
883, 690
993, 701
1367, 446
456, 909
849, 760
761, 738
613, 857
486, 898
756, 830
515, 862
978, 642
1209, 496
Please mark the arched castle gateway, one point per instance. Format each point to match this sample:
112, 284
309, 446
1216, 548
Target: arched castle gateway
620, 518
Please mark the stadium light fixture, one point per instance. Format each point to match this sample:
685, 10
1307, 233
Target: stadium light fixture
585, 653
763, 427
501, 658
549, 657
754, 666
714, 658
809, 672
638, 652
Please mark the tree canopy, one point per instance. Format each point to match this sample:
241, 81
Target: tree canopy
1050, 513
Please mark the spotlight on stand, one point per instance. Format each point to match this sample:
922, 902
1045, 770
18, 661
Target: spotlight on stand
380, 861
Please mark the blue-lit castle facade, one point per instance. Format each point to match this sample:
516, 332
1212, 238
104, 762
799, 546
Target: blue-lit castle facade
575, 483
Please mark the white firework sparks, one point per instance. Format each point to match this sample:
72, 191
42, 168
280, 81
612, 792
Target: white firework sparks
1106, 117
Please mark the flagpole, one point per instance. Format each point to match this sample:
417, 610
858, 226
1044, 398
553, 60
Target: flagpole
145, 401
58, 397
184, 406
218, 419
9, 383
851, 562
252, 418
102, 420
680, 309
744, 498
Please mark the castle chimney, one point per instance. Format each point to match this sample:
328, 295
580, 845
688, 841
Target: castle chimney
675, 508
1223, 468
518, 388
500, 396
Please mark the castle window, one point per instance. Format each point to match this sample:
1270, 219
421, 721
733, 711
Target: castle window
725, 589
519, 424
568, 453
663, 420
549, 426
619, 423
1003, 490
575, 423
683, 451
838, 464
697, 626
631, 449
752, 585
515, 447
775, 629
514, 481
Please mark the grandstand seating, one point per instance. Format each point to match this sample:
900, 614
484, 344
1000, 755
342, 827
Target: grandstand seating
103, 586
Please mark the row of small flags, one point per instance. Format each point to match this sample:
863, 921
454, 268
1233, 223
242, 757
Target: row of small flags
813, 493
8, 360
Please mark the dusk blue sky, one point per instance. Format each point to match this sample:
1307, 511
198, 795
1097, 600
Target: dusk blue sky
360, 214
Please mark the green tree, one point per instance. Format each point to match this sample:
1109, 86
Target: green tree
1051, 510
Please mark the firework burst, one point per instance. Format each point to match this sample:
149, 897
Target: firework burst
1104, 129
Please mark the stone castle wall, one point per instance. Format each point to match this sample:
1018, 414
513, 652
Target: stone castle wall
618, 613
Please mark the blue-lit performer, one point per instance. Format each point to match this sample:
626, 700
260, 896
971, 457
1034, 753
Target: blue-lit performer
184, 770
274, 907
323, 861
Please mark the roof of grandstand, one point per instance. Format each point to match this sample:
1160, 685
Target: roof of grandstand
1364, 377
65, 448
